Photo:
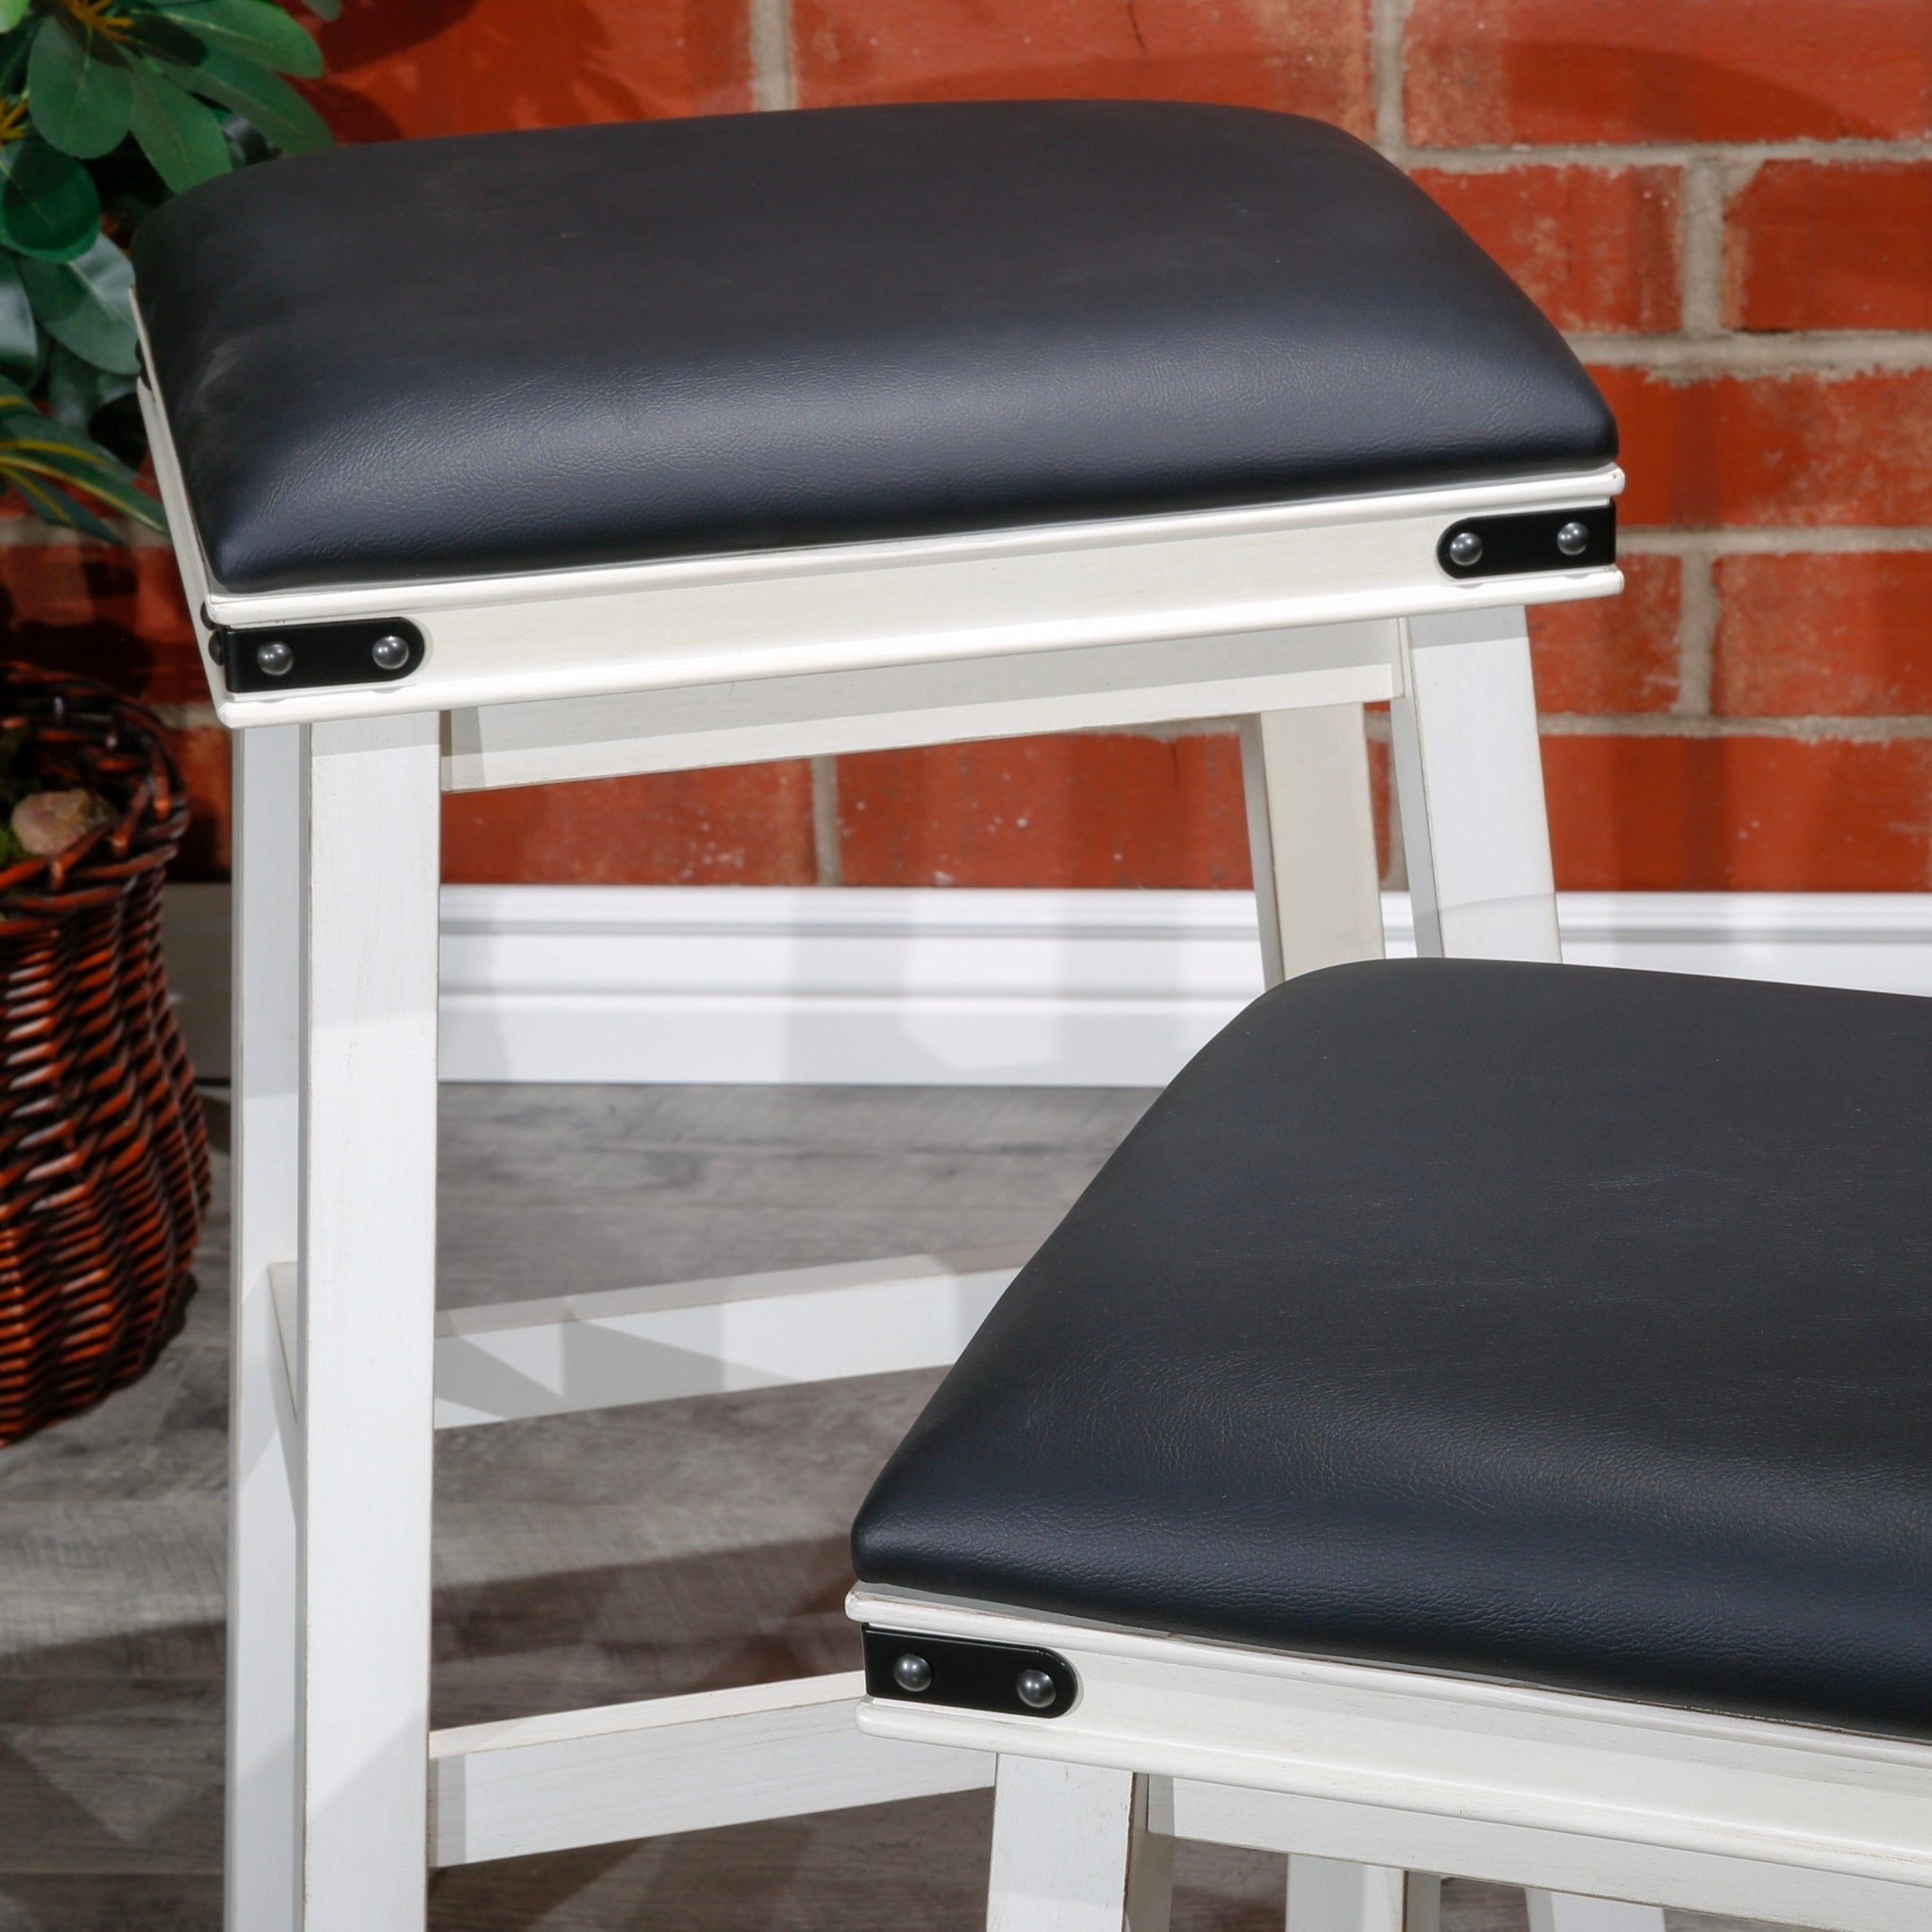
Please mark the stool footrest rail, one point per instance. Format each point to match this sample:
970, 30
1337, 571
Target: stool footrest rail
515, 1360
627, 1770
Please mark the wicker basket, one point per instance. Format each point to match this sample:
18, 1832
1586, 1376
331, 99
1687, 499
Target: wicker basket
104, 1169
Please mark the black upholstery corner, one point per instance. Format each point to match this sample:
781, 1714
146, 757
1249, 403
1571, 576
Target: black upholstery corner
517, 352
1548, 1323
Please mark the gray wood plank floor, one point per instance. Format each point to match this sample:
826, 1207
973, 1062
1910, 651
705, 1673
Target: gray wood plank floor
581, 1559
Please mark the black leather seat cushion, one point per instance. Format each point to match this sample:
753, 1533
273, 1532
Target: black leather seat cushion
1552, 1325
513, 352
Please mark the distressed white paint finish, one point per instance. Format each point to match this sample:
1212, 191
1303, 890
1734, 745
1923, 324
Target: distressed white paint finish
513, 1360
1468, 778
263, 1806
1073, 1850
367, 1255
1555, 1912
671, 1764
946, 701
1311, 836
1568, 1793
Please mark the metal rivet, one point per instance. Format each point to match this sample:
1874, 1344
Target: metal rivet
390, 653
274, 658
1465, 548
1036, 1690
1572, 539
911, 1672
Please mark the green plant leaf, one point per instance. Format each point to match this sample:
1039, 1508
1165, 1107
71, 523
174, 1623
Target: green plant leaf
20, 335
116, 494
48, 463
78, 389
84, 303
256, 29
77, 86
180, 135
265, 100
50, 502
48, 205
116, 111
148, 32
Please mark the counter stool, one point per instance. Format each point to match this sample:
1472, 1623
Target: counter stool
561, 455
1476, 1422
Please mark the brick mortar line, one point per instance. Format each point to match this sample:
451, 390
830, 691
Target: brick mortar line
828, 854
1817, 728
1807, 729
1697, 616
1739, 352
1388, 25
1763, 543
774, 72
1700, 250
1747, 155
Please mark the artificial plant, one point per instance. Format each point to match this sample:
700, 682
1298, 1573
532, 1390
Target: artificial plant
106, 108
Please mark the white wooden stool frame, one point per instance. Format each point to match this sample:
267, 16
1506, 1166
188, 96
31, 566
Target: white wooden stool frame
1392, 1770
1288, 617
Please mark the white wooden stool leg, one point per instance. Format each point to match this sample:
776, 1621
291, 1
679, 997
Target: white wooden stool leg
368, 1259
1469, 779
1076, 1848
263, 1846
1329, 1895
1311, 839
1555, 1911
1422, 1903
1468, 776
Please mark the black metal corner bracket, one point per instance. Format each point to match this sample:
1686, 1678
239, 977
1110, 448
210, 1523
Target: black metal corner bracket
1010, 1679
1542, 540
304, 656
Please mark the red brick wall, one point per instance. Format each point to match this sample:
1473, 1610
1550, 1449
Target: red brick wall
1728, 205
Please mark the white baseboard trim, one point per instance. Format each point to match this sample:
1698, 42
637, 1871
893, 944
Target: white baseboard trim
950, 986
